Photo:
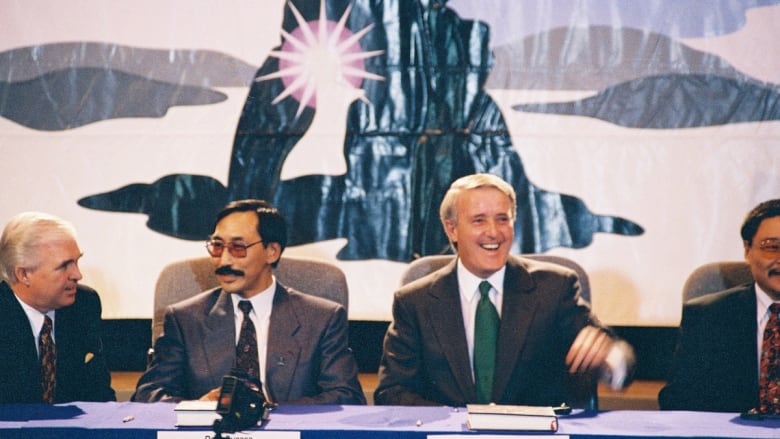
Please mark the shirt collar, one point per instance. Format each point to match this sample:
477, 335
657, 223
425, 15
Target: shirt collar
469, 283
763, 301
262, 301
34, 316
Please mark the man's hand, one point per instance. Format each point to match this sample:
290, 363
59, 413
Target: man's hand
211, 395
589, 350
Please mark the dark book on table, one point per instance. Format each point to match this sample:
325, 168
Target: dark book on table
511, 417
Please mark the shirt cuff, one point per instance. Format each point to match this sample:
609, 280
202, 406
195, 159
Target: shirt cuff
619, 361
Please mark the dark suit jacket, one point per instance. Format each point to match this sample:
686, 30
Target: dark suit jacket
716, 363
426, 361
77, 338
308, 360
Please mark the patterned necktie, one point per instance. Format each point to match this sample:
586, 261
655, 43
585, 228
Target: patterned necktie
769, 377
247, 356
485, 339
48, 356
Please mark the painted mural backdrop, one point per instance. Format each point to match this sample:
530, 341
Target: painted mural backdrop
636, 134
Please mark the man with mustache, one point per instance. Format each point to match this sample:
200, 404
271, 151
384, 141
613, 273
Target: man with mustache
725, 337
539, 330
300, 353
50, 345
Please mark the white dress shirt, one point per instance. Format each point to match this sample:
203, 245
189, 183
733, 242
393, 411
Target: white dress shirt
469, 298
260, 315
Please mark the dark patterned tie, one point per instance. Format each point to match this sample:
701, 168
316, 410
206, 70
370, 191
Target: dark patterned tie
486, 326
247, 357
769, 377
48, 355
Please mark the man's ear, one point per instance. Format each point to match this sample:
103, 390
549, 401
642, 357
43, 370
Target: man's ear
21, 274
273, 252
451, 230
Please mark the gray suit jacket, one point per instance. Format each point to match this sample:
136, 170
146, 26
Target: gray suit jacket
716, 363
426, 361
308, 359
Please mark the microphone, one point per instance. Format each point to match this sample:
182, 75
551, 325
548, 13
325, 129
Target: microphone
241, 403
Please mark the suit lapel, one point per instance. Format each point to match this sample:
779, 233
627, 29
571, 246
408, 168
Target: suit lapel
283, 348
446, 317
220, 327
516, 314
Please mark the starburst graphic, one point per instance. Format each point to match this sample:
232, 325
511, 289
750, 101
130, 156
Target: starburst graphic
318, 54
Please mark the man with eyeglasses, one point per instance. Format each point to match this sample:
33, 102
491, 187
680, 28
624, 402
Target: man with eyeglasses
299, 344
727, 358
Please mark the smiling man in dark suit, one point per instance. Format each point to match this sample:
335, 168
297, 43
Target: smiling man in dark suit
39, 268
302, 354
541, 331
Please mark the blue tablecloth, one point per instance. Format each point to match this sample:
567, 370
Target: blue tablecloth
109, 420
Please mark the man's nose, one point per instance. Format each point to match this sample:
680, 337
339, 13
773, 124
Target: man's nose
492, 228
225, 259
75, 273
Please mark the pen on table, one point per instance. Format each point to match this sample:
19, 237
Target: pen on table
128, 418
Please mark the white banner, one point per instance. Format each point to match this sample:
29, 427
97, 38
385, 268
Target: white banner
676, 170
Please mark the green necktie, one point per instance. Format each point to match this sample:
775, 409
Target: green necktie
485, 339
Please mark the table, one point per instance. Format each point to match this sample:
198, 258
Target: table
100, 420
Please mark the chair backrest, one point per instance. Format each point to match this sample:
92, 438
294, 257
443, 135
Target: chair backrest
182, 279
714, 277
428, 264
582, 388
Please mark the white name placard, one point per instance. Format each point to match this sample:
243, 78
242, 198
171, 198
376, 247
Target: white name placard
238, 435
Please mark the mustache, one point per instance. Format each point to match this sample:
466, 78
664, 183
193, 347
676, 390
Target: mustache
228, 270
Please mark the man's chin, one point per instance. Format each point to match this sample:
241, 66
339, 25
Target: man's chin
230, 287
226, 280
68, 299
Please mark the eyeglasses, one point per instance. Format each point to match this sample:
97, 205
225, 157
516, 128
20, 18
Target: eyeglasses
236, 249
770, 245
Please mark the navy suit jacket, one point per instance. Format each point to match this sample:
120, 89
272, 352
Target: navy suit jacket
308, 359
82, 374
716, 362
425, 359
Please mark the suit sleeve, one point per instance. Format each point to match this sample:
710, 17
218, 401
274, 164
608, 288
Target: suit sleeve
680, 393
86, 357
102, 390
620, 364
164, 379
401, 370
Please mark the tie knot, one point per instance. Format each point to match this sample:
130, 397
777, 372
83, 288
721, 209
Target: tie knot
46, 324
245, 306
484, 288
774, 308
